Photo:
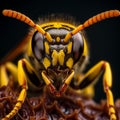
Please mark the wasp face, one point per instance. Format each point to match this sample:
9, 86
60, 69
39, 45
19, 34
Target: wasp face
57, 54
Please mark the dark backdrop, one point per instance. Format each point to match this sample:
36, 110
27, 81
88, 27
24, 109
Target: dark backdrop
103, 37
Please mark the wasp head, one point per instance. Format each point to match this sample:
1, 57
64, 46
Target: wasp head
57, 54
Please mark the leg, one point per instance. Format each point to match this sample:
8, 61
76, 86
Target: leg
4, 77
25, 72
22, 80
92, 75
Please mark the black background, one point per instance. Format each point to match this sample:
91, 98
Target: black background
103, 37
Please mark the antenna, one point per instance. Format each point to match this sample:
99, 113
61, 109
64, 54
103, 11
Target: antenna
27, 20
91, 21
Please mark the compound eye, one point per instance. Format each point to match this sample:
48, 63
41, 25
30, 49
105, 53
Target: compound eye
78, 45
37, 45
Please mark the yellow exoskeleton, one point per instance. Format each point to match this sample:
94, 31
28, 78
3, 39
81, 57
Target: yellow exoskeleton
55, 55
